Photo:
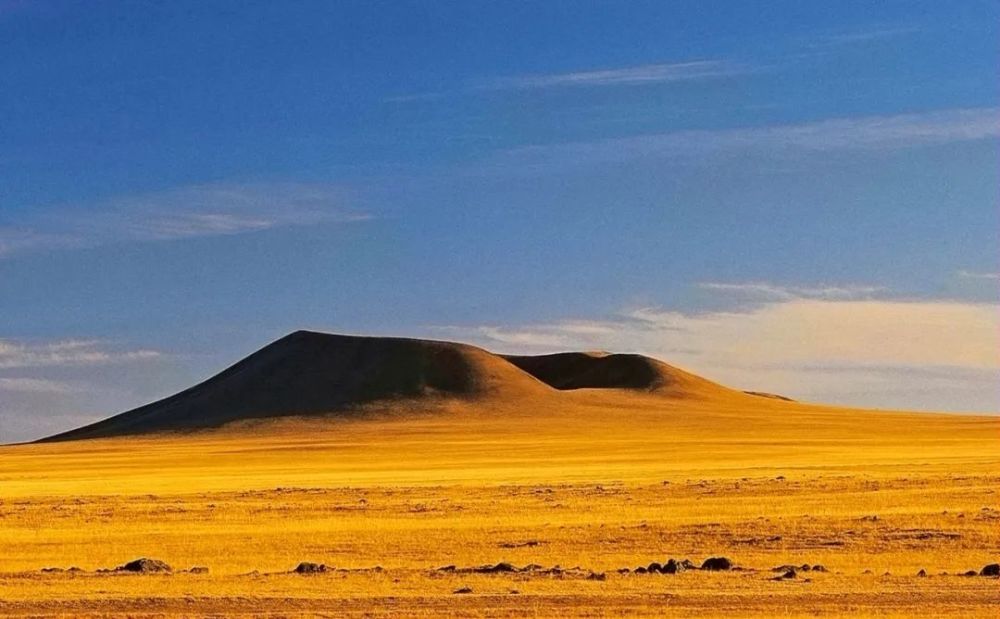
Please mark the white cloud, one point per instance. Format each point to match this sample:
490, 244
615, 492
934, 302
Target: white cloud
861, 36
662, 73
837, 134
766, 290
623, 76
974, 275
35, 385
66, 353
887, 353
189, 212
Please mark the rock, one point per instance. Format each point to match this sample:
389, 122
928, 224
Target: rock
805, 567
640, 570
145, 566
309, 568
623, 570
970, 573
462, 590
596, 576
993, 569
786, 575
922, 573
447, 568
688, 565
499, 567
672, 567
654, 568
717, 564
198, 569
819, 568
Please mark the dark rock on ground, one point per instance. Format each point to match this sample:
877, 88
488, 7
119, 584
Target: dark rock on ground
596, 576
310, 568
462, 590
717, 564
654, 568
970, 573
447, 568
922, 573
493, 569
198, 569
145, 566
640, 570
993, 569
672, 567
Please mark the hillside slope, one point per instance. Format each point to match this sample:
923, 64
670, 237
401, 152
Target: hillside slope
308, 374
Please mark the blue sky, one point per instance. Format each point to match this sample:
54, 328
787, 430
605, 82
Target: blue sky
790, 196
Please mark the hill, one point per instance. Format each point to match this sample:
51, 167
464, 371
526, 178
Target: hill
317, 374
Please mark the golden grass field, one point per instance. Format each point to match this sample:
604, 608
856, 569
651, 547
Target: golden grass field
596, 480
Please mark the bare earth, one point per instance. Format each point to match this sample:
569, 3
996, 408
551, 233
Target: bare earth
592, 482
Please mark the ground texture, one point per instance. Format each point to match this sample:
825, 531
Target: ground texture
569, 494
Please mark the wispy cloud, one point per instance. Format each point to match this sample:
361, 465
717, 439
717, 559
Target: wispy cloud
189, 212
35, 385
639, 75
623, 76
838, 134
67, 353
860, 36
978, 275
765, 290
852, 351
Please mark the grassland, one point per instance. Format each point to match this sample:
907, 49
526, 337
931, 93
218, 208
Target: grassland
599, 482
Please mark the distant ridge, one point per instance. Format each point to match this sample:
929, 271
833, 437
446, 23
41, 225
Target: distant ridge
601, 370
316, 374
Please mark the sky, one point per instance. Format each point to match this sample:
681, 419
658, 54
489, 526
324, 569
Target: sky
796, 197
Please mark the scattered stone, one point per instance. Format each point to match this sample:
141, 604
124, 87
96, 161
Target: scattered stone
717, 564
462, 590
640, 570
198, 569
819, 568
447, 568
786, 575
526, 544
971, 573
805, 567
922, 573
310, 568
145, 566
654, 568
672, 567
493, 569
993, 569
623, 570
596, 576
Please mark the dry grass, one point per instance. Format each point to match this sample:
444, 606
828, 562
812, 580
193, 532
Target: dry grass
600, 481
